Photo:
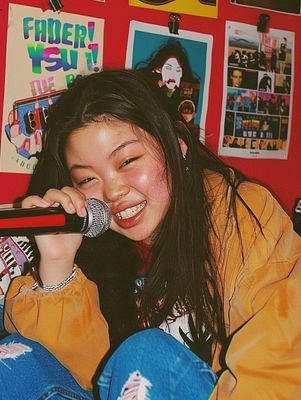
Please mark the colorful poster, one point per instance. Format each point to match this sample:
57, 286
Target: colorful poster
286, 6
258, 92
180, 64
205, 8
15, 252
45, 52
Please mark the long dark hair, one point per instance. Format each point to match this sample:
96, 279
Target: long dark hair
183, 265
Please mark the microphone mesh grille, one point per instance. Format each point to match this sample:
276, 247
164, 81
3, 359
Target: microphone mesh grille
99, 218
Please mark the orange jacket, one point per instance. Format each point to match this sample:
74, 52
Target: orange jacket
67, 322
261, 290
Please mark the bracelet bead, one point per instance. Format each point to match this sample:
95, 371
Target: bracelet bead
52, 288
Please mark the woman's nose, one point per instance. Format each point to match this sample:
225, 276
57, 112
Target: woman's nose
114, 190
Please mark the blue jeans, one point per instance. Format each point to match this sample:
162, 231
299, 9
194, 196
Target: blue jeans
150, 364
29, 372
155, 366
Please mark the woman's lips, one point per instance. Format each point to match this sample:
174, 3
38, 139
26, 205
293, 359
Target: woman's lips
130, 216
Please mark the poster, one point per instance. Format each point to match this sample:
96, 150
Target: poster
204, 8
286, 6
180, 64
258, 92
14, 253
45, 52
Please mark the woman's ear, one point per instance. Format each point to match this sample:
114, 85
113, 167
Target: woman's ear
184, 147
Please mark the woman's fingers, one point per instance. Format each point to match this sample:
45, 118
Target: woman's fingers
34, 201
69, 198
79, 201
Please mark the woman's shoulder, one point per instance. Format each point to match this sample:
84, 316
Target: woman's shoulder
216, 185
249, 196
261, 201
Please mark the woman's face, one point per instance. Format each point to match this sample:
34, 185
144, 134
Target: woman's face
121, 165
236, 78
171, 73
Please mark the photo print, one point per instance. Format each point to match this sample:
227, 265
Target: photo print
257, 97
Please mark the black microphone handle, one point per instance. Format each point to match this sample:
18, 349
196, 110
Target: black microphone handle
38, 220
54, 219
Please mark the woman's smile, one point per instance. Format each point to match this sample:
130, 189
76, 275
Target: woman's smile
130, 216
130, 212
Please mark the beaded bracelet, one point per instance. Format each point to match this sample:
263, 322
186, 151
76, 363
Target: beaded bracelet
52, 288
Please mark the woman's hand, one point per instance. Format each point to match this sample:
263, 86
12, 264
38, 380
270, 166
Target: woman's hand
58, 251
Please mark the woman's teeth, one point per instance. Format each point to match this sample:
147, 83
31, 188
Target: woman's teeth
130, 212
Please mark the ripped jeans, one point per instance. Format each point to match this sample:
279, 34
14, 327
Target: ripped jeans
149, 365
152, 365
30, 372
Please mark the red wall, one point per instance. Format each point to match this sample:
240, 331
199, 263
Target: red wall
282, 177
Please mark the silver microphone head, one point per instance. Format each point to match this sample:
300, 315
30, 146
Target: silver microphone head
98, 218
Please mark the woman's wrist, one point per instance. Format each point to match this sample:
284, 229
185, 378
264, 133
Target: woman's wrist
55, 271
38, 284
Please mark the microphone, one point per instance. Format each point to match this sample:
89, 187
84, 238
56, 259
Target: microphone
38, 220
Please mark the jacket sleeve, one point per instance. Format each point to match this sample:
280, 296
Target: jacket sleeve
68, 322
263, 305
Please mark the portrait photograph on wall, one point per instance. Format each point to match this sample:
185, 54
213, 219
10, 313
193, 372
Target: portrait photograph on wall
179, 64
286, 6
257, 98
52, 49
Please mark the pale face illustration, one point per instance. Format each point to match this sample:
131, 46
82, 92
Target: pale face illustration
171, 73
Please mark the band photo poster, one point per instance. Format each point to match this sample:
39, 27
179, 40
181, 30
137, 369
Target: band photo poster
45, 52
179, 64
201, 8
258, 92
285, 6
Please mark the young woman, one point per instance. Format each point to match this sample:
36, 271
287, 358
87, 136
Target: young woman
205, 255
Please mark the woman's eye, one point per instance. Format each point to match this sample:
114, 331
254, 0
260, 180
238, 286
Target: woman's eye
84, 181
128, 161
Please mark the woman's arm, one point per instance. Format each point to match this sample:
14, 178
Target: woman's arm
61, 314
262, 305
68, 322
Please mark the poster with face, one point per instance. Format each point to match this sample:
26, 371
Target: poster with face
171, 72
45, 52
257, 98
179, 64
